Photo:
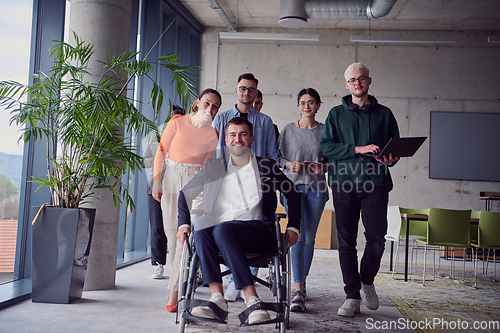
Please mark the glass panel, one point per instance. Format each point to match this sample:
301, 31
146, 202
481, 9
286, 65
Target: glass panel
168, 46
14, 65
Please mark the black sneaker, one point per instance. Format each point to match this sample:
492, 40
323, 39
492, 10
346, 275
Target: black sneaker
298, 301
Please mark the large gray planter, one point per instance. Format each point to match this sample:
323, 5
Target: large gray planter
60, 243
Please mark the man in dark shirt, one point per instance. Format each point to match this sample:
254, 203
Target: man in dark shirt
359, 183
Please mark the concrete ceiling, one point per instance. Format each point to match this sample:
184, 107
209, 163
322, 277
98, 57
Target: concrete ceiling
405, 15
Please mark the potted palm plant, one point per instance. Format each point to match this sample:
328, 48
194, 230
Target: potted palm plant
85, 126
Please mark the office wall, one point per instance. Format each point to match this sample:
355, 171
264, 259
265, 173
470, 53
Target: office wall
411, 79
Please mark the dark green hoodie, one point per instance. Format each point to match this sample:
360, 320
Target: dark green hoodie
346, 129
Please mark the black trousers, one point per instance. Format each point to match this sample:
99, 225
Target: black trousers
373, 208
232, 239
158, 238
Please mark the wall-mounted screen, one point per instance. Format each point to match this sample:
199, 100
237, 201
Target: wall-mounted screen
465, 146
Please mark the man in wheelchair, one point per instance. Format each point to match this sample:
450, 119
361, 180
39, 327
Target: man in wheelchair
240, 204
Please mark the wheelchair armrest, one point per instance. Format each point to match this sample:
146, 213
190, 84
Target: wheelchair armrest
279, 235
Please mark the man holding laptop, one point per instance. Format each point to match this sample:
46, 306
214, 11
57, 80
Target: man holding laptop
359, 183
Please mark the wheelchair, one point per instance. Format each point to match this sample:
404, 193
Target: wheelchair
279, 282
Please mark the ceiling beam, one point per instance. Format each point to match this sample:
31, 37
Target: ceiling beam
218, 5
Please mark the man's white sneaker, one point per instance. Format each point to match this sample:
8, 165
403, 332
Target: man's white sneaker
231, 293
257, 315
349, 308
369, 296
158, 274
206, 312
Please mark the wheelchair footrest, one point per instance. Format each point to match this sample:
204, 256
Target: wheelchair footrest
192, 303
275, 307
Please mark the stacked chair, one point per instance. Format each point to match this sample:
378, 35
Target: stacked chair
488, 237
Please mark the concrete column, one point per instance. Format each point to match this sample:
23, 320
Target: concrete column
106, 24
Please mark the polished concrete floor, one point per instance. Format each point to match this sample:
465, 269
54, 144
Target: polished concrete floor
137, 304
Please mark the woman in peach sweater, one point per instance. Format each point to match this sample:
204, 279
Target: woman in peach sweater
186, 143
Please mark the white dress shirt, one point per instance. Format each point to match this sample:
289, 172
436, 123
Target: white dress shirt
240, 194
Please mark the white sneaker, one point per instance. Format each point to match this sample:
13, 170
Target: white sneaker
298, 301
231, 293
349, 308
158, 274
257, 315
369, 296
206, 312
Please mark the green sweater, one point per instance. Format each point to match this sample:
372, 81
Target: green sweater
346, 129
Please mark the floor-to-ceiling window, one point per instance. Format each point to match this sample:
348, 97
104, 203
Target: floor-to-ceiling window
14, 65
28, 27
162, 28
40, 22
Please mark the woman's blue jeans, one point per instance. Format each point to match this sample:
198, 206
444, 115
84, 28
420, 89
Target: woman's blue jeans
313, 202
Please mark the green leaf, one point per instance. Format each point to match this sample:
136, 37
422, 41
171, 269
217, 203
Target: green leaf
84, 122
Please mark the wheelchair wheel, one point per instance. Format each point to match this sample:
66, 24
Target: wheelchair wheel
182, 325
282, 286
287, 281
187, 287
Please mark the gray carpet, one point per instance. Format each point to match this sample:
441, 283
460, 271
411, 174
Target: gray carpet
137, 304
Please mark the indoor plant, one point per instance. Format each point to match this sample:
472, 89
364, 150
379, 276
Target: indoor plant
85, 124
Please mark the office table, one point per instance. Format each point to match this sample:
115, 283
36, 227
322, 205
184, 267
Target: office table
416, 217
489, 196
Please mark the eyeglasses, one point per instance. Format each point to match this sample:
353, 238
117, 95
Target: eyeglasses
250, 90
310, 103
360, 79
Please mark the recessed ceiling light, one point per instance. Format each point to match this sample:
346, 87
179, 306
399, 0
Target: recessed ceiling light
268, 36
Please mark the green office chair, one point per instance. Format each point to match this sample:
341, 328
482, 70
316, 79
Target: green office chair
474, 227
418, 229
474, 230
446, 227
475, 214
488, 237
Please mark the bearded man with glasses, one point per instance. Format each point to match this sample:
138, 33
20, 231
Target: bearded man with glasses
359, 183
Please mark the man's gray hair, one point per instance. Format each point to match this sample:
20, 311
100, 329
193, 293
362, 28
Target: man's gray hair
354, 66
